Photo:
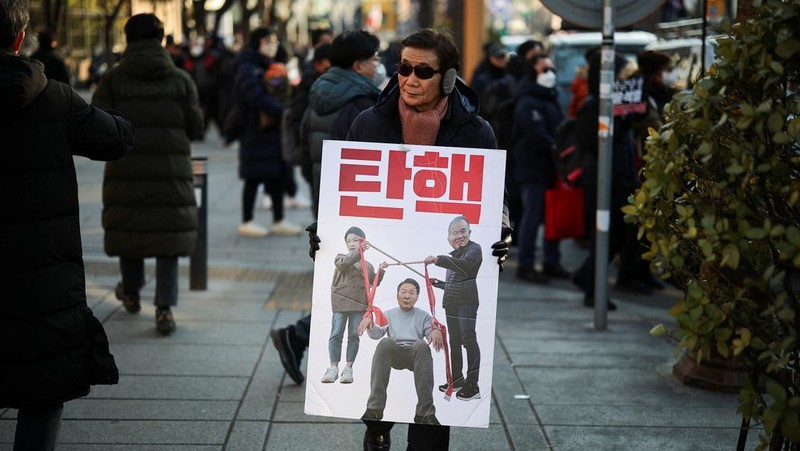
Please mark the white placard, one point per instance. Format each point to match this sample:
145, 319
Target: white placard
404, 198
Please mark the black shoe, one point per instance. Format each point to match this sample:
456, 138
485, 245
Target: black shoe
129, 301
282, 340
426, 419
633, 286
372, 414
165, 325
377, 442
588, 301
556, 272
468, 392
457, 384
531, 275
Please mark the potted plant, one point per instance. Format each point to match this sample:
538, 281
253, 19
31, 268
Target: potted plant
720, 207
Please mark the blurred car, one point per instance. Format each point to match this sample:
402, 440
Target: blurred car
568, 51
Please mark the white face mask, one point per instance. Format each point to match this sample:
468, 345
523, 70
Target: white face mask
669, 77
546, 79
196, 50
380, 75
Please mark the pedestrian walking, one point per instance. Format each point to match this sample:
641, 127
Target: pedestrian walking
149, 208
53, 348
54, 65
260, 157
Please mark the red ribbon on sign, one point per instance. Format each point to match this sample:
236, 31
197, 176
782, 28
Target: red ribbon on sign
437, 325
372, 312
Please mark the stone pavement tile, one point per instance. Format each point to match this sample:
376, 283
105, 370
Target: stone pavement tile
173, 387
140, 328
302, 437
505, 386
7, 426
605, 386
527, 437
157, 409
262, 391
491, 439
568, 360
643, 438
292, 412
247, 436
184, 359
138, 432
687, 416
108, 447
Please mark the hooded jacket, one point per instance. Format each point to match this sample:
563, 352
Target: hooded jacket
52, 348
335, 99
149, 208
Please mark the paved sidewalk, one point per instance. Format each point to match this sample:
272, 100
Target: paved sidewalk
217, 383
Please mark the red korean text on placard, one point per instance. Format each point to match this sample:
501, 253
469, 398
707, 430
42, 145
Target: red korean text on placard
441, 184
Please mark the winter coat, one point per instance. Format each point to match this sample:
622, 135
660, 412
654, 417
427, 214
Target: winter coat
460, 127
54, 65
348, 293
149, 208
260, 155
536, 118
461, 279
335, 99
52, 348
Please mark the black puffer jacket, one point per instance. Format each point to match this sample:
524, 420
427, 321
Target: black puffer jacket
460, 127
51, 346
149, 208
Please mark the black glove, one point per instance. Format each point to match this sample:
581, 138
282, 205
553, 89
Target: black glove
500, 248
313, 240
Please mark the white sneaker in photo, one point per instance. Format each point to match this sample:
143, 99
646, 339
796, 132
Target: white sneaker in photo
330, 375
252, 230
347, 375
285, 228
267, 202
298, 201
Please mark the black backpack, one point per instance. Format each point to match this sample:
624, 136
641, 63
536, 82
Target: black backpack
566, 154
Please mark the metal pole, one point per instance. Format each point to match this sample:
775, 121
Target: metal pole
605, 134
198, 262
704, 36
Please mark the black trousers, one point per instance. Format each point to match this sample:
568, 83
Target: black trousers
275, 189
37, 429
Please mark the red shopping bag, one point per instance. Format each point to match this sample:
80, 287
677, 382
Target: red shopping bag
563, 212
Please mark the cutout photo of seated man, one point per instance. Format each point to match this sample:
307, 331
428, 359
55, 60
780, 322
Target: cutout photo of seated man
406, 347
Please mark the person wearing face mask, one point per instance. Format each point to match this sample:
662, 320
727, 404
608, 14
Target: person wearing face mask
655, 68
536, 117
349, 87
203, 65
260, 156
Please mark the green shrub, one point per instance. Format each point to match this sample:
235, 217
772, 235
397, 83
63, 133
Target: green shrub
719, 207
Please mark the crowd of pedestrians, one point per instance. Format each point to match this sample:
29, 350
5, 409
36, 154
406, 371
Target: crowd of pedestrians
345, 89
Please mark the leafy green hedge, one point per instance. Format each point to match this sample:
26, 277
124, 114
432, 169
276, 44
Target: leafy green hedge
719, 207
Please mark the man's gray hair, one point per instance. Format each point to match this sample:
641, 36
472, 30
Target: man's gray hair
13, 20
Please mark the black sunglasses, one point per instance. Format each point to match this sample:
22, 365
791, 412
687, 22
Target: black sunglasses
423, 72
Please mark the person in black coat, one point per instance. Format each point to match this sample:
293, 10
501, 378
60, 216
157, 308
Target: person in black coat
54, 65
260, 156
536, 117
52, 348
622, 178
149, 208
426, 104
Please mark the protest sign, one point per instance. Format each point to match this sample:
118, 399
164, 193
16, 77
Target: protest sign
404, 201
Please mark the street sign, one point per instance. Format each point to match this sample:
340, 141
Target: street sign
589, 13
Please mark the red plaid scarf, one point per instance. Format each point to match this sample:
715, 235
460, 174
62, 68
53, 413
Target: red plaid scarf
421, 128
